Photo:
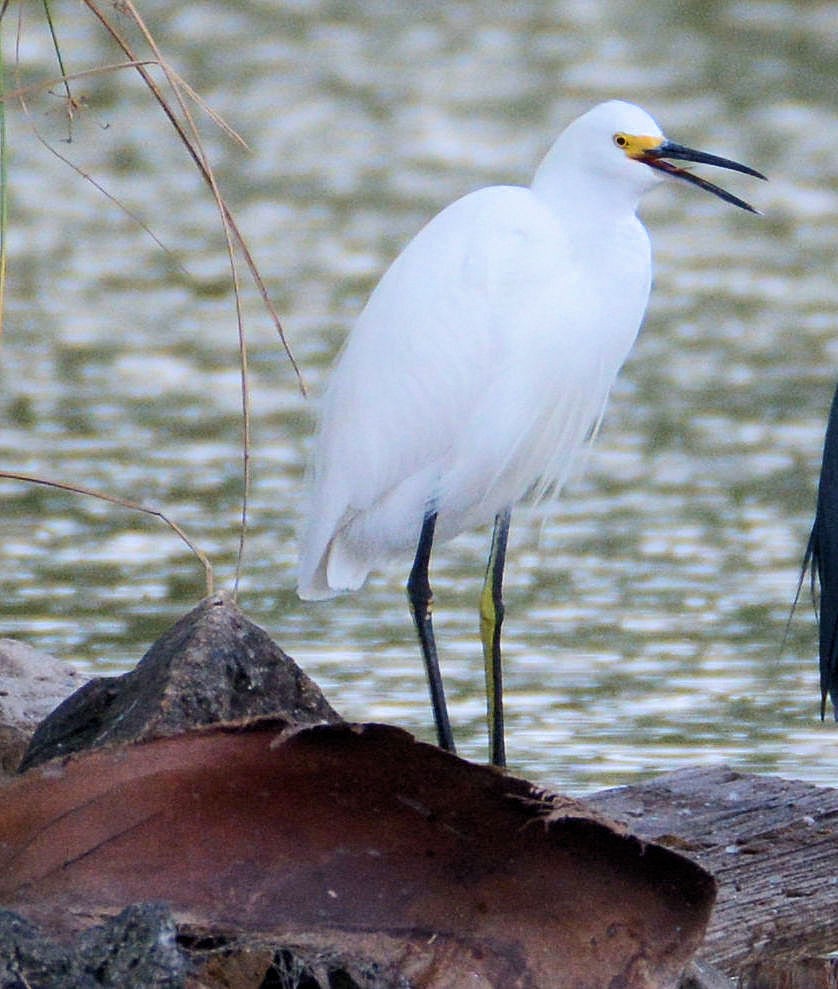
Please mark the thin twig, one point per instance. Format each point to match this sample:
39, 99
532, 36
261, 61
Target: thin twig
47, 85
180, 117
4, 186
58, 57
226, 220
96, 184
193, 145
200, 164
123, 503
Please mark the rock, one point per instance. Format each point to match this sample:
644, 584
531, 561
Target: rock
135, 950
141, 948
13, 744
213, 665
26, 955
32, 683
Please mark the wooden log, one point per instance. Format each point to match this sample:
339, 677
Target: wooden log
772, 845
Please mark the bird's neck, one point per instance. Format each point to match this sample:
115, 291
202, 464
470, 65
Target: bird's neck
582, 199
605, 240
597, 219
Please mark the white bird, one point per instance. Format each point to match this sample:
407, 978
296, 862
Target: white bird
480, 367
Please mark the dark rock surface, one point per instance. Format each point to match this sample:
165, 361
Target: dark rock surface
135, 950
213, 665
142, 948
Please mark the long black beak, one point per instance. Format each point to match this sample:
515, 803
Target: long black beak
655, 158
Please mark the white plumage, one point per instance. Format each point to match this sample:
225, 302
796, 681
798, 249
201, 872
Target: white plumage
483, 358
481, 365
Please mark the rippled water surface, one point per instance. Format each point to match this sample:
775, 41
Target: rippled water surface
647, 610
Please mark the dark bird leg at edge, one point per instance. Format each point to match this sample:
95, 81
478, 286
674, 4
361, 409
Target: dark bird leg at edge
420, 596
822, 554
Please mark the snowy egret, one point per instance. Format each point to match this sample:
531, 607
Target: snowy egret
480, 367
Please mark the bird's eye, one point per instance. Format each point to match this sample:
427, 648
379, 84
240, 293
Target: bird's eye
621, 140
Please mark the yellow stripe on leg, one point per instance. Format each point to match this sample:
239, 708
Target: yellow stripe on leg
491, 619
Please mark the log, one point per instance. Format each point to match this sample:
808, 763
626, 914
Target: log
772, 845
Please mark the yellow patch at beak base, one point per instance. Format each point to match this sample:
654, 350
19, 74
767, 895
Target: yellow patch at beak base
636, 145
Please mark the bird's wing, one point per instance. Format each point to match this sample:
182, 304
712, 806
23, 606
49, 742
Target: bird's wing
561, 324
394, 398
441, 345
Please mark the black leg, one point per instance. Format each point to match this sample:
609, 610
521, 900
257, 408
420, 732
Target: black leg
420, 596
491, 619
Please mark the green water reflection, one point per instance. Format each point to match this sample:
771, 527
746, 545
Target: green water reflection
646, 613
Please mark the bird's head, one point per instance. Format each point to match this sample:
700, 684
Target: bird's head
623, 144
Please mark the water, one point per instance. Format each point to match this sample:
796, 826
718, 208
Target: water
646, 612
